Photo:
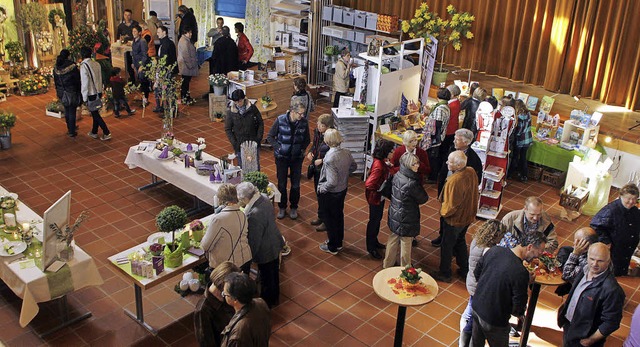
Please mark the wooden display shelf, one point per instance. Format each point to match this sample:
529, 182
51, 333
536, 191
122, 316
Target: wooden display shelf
279, 90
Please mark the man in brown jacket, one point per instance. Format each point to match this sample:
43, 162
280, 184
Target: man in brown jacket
250, 325
459, 199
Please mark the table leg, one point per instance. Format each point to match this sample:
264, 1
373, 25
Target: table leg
528, 319
198, 206
154, 182
402, 312
64, 312
139, 316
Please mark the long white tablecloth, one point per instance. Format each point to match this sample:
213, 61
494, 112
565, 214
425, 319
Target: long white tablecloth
31, 284
174, 172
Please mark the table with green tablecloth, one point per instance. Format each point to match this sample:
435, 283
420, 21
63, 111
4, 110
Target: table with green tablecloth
554, 156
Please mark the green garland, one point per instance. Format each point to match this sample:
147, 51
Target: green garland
52, 16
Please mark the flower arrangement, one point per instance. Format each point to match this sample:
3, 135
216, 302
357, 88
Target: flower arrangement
196, 225
7, 202
158, 70
266, 99
259, 179
44, 41
55, 106
7, 121
411, 274
34, 84
66, 234
168, 220
447, 31
156, 249
218, 80
201, 147
45, 71
52, 16
549, 261
81, 36
15, 50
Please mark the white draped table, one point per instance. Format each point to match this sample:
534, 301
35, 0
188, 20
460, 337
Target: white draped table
31, 284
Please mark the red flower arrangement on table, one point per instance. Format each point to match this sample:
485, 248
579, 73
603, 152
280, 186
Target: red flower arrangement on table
545, 265
408, 284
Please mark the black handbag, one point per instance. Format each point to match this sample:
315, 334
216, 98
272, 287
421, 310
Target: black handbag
385, 187
311, 171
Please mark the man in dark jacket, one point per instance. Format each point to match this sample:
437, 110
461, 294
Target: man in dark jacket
250, 325
225, 54
243, 123
289, 137
188, 20
124, 31
502, 289
593, 309
265, 240
167, 49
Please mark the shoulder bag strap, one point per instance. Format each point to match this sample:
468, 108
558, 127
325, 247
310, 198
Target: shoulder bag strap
92, 80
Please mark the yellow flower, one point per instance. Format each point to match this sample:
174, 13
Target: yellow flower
412, 35
424, 7
405, 26
469, 35
450, 8
457, 46
418, 13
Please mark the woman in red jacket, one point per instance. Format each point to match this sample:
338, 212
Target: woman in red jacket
377, 175
410, 144
245, 50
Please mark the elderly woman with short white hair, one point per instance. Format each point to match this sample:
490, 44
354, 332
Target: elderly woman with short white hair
226, 236
410, 145
332, 189
265, 240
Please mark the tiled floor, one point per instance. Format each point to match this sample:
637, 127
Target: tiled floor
326, 300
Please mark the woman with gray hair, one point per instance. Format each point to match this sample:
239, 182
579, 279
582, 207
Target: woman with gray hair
407, 194
265, 240
226, 236
332, 189
289, 137
410, 145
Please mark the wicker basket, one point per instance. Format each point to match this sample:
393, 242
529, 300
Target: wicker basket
534, 171
554, 178
571, 202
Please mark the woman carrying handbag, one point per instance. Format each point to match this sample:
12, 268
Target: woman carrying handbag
91, 81
67, 81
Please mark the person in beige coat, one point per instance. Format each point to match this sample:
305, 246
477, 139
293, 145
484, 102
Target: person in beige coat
187, 64
227, 235
341, 76
532, 218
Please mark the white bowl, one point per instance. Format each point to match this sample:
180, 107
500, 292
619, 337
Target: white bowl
184, 285
187, 276
194, 285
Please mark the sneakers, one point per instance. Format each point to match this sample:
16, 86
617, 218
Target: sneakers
286, 250
106, 137
326, 242
436, 242
132, 112
95, 136
316, 222
293, 213
145, 102
158, 110
325, 248
321, 227
281, 213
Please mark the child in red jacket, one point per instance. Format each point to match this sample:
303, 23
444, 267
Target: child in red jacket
119, 97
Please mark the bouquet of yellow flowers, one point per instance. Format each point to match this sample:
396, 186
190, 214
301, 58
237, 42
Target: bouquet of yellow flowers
448, 31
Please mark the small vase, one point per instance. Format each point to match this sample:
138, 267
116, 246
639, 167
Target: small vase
218, 90
65, 252
265, 105
5, 141
173, 258
198, 235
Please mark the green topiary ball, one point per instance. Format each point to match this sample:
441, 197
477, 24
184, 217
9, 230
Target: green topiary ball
171, 218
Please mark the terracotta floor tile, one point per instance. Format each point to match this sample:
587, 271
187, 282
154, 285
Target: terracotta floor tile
444, 334
368, 334
291, 334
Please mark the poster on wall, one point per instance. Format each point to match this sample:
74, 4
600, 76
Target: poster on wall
8, 30
428, 62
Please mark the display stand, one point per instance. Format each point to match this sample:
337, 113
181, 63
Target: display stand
496, 164
584, 133
353, 127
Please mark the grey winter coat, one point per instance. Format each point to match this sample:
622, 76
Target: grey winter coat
187, 60
265, 239
407, 194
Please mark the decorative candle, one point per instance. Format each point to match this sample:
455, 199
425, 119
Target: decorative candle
37, 253
10, 220
15, 235
26, 227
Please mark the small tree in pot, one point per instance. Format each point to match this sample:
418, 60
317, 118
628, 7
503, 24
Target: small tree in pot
7, 121
169, 220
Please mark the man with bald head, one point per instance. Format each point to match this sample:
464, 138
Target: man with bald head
532, 218
593, 309
582, 239
459, 198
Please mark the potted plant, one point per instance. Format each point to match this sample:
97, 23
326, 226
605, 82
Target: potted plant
168, 220
266, 101
15, 51
54, 108
259, 179
452, 30
218, 82
7, 121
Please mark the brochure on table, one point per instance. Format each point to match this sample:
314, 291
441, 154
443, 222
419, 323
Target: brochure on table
59, 213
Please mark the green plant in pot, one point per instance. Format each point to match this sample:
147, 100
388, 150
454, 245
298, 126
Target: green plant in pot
7, 121
259, 179
452, 30
169, 220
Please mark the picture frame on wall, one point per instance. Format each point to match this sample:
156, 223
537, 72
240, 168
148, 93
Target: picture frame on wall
523, 96
497, 93
510, 92
532, 103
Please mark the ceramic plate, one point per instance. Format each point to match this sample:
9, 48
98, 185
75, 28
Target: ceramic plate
18, 247
169, 157
153, 238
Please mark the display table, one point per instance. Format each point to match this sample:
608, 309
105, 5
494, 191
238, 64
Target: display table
383, 290
533, 301
118, 51
265, 111
33, 285
553, 156
280, 91
174, 172
599, 186
188, 262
